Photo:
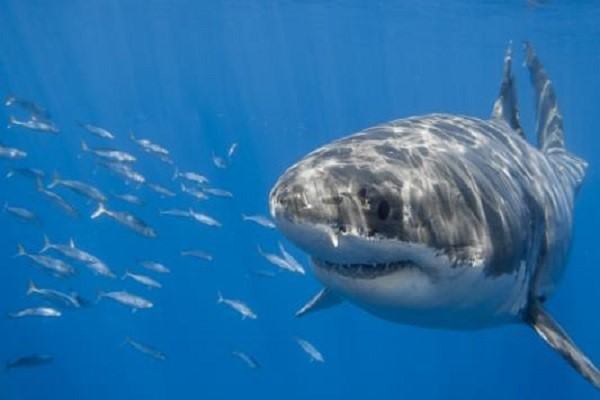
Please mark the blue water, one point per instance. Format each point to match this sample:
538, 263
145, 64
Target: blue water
280, 78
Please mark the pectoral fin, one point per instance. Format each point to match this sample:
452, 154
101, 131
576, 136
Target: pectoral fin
558, 339
322, 300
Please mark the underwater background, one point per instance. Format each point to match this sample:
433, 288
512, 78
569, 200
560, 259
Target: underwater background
279, 78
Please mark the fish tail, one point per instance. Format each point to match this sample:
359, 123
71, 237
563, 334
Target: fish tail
11, 122
38, 184
220, 298
10, 174
31, 288
175, 173
131, 135
99, 296
76, 300
99, 211
84, 146
55, 180
5, 206
282, 249
125, 275
20, 251
47, 244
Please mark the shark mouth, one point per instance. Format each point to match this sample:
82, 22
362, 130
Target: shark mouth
365, 271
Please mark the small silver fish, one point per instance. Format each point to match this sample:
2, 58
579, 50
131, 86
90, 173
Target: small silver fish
109, 154
82, 189
146, 349
11, 153
125, 171
29, 361
149, 147
54, 296
32, 173
218, 161
130, 221
143, 279
197, 254
34, 124
260, 220
100, 268
204, 219
175, 213
165, 159
232, 150
46, 312
27, 105
127, 299
297, 267
218, 192
53, 265
22, 213
311, 350
247, 359
191, 177
279, 261
57, 200
198, 194
163, 191
129, 198
155, 266
97, 131
238, 306
70, 250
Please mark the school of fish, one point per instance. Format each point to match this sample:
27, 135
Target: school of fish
61, 261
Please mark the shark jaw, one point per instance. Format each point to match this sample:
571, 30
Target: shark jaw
409, 283
346, 252
365, 271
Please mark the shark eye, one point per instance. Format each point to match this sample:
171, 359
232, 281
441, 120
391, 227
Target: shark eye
383, 210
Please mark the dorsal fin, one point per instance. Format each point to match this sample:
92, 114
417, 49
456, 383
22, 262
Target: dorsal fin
505, 106
549, 126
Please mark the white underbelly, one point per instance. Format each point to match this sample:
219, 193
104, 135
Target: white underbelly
460, 298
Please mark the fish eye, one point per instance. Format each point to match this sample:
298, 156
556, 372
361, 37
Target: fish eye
383, 210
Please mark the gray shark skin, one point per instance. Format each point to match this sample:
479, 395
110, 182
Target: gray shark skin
442, 221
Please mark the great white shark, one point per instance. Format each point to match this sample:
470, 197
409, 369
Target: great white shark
443, 221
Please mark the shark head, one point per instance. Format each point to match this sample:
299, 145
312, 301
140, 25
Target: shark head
392, 219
